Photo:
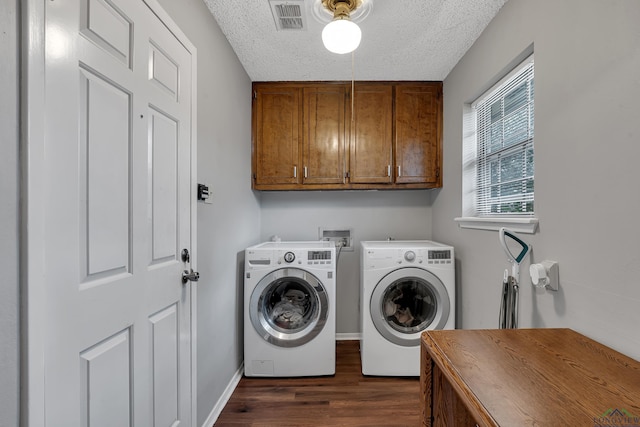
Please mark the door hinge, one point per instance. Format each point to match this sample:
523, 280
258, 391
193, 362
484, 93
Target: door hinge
255, 95
437, 172
347, 175
254, 176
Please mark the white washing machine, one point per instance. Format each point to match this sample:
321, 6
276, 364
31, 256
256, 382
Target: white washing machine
406, 287
289, 309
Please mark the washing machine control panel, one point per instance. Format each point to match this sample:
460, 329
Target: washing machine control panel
306, 257
319, 258
410, 256
440, 256
319, 255
269, 255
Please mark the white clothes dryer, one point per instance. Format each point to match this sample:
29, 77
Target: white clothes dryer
289, 309
406, 287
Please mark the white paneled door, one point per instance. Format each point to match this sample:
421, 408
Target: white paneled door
116, 193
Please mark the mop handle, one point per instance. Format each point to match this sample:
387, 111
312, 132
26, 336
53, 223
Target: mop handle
504, 232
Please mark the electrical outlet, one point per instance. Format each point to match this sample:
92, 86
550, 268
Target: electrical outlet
341, 236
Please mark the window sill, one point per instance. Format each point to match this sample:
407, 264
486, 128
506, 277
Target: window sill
526, 225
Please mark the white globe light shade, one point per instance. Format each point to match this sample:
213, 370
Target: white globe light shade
341, 36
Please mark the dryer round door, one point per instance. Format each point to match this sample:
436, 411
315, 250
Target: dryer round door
289, 307
407, 302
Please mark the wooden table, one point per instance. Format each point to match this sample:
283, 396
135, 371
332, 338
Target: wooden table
526, 377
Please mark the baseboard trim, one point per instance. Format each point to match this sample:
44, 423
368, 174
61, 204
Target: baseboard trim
226, 395
348, 336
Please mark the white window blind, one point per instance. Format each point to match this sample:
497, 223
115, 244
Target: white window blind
504, 132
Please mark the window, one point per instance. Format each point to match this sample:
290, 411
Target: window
504, 137
499, 163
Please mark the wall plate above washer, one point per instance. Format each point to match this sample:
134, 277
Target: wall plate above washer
342, 236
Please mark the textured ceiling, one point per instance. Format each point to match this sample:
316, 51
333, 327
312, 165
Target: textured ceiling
401, 40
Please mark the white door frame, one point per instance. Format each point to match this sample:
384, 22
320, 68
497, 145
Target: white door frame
34, 212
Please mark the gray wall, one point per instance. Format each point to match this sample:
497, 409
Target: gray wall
587, 75
232, 222
373, 215
9, 289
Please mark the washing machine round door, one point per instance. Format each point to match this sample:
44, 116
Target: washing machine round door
289, 307
407, 302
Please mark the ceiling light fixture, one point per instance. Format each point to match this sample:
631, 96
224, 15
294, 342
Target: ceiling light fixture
341, 35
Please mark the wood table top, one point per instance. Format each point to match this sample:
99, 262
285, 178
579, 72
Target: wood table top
542, 377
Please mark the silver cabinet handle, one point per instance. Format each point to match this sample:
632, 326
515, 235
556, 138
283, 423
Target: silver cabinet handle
388, 170
305, 171
295, 171
399, 171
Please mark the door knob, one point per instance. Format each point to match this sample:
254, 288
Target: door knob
192, 276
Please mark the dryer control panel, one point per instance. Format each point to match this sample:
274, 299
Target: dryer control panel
385, 254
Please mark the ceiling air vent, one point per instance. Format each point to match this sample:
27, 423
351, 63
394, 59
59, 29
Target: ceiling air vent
288, 15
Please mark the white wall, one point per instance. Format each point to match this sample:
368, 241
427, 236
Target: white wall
232, 222
373, 215
587, 78
9, 287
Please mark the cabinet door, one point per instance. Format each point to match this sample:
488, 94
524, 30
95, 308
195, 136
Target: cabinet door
418, 133
324, 134
276, 135
371, 137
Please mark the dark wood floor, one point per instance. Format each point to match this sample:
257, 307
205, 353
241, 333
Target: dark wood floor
346, 399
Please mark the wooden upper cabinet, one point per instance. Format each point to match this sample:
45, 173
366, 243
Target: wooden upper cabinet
418, 133
304, 136
371, 136
276, 121
324, 134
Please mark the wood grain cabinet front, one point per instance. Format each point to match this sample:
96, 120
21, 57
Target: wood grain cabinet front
318, 136
324, 138
371, 156
418, 128
276, 135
